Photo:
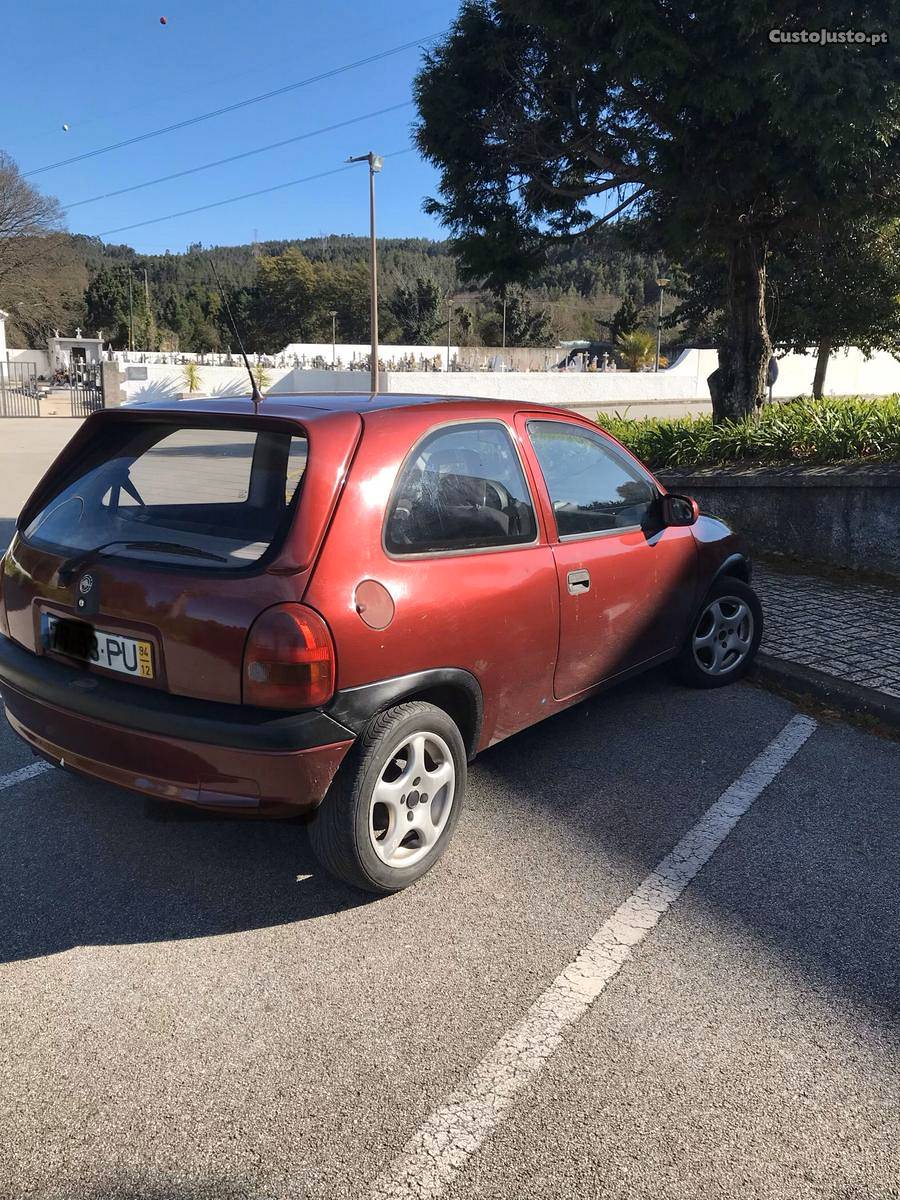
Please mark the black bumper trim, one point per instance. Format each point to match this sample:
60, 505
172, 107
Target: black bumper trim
356, 706
85, 694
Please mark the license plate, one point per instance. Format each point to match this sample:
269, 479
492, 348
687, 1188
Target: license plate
75, 639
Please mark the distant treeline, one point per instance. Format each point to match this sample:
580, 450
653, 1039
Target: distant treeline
287, 291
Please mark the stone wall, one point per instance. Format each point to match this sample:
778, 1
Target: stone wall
839, 516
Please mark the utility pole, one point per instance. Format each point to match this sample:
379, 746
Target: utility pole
375, 162
130, 314
333, 315
504, 322
147, 309
662, 284
449, 322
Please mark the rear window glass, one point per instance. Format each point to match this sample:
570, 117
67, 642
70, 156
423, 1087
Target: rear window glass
216, 498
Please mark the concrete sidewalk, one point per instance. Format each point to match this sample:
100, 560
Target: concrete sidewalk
837, 639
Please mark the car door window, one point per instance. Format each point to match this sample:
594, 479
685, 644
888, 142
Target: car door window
592, 488
461, 488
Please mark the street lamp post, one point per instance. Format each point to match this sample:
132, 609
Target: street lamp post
662, 283
333, 314
375, 162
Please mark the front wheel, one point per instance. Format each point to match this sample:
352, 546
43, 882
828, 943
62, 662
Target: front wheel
395, 801
725, 636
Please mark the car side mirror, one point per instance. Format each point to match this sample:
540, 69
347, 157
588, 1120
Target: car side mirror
679, 510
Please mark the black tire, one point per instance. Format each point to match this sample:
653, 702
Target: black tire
340, 833
689, 665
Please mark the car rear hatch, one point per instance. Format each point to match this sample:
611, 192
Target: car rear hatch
159, 536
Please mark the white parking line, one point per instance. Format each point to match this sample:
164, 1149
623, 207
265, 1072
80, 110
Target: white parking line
455, 1131
23, 773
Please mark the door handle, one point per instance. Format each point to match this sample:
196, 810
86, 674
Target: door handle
578, 582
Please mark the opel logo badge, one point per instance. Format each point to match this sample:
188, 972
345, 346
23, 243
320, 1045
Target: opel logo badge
85, 583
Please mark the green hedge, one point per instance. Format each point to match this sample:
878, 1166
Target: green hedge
839, 429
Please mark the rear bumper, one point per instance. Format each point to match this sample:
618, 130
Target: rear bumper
215, 756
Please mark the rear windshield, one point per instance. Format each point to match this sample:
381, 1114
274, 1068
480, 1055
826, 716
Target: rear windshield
213, 497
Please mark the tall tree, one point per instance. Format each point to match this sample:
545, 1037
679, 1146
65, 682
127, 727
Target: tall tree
526, 324
26, 217
838, 287
106, 299
547, 121
625, 319
46, 293
287, 293
416, 308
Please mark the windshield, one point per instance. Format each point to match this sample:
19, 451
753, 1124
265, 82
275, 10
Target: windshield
162, 492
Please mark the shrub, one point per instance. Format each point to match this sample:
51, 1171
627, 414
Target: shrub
191, 375
262, 376
836, 429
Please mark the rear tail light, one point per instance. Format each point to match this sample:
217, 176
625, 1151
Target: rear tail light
289, 659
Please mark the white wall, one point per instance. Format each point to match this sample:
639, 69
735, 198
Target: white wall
167, 382
678, 390
38, 357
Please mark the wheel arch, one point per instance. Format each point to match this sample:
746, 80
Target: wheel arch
452, 689
737, 565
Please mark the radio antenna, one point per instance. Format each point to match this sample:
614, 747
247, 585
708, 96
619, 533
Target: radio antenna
255, 394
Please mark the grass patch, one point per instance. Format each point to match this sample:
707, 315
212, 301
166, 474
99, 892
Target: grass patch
838, 429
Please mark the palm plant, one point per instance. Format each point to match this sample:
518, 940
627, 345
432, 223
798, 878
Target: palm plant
637, 348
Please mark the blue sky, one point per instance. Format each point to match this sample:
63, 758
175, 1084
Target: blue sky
111, 71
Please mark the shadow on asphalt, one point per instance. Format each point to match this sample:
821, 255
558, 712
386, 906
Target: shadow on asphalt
812, 870
7, 529
88, 864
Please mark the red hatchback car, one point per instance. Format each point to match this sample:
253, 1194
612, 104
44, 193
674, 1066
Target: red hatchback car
330, 605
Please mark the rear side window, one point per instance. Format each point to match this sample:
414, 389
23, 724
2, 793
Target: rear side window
462, 488
592, 487
217, 498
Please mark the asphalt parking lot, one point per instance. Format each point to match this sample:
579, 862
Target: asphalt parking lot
191, 1009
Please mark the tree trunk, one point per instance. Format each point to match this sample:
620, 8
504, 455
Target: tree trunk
821, 367
738, 385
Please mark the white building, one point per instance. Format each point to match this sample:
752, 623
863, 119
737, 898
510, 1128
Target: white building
63, 352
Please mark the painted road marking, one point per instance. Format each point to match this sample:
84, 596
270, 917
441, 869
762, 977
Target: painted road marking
455, 1131
23, 773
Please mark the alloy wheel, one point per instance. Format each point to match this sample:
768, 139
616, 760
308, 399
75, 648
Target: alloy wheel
412, 799
723, 635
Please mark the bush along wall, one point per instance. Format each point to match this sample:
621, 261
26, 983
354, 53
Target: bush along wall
834, 430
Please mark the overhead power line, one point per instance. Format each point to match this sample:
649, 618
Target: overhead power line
227, 108
277, 187
237, 157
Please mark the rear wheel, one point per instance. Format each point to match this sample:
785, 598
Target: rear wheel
395, 802
725, 636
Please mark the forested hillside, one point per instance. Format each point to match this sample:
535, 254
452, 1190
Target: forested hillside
286, 291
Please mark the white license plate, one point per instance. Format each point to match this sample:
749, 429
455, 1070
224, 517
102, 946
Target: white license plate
127, 655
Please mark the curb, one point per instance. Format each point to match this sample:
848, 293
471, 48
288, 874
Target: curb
851, 699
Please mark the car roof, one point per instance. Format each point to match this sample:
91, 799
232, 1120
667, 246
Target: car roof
308, 404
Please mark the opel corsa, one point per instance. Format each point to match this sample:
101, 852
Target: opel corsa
330, 604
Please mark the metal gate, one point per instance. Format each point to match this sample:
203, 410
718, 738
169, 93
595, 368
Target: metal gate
19, 390
86, 388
